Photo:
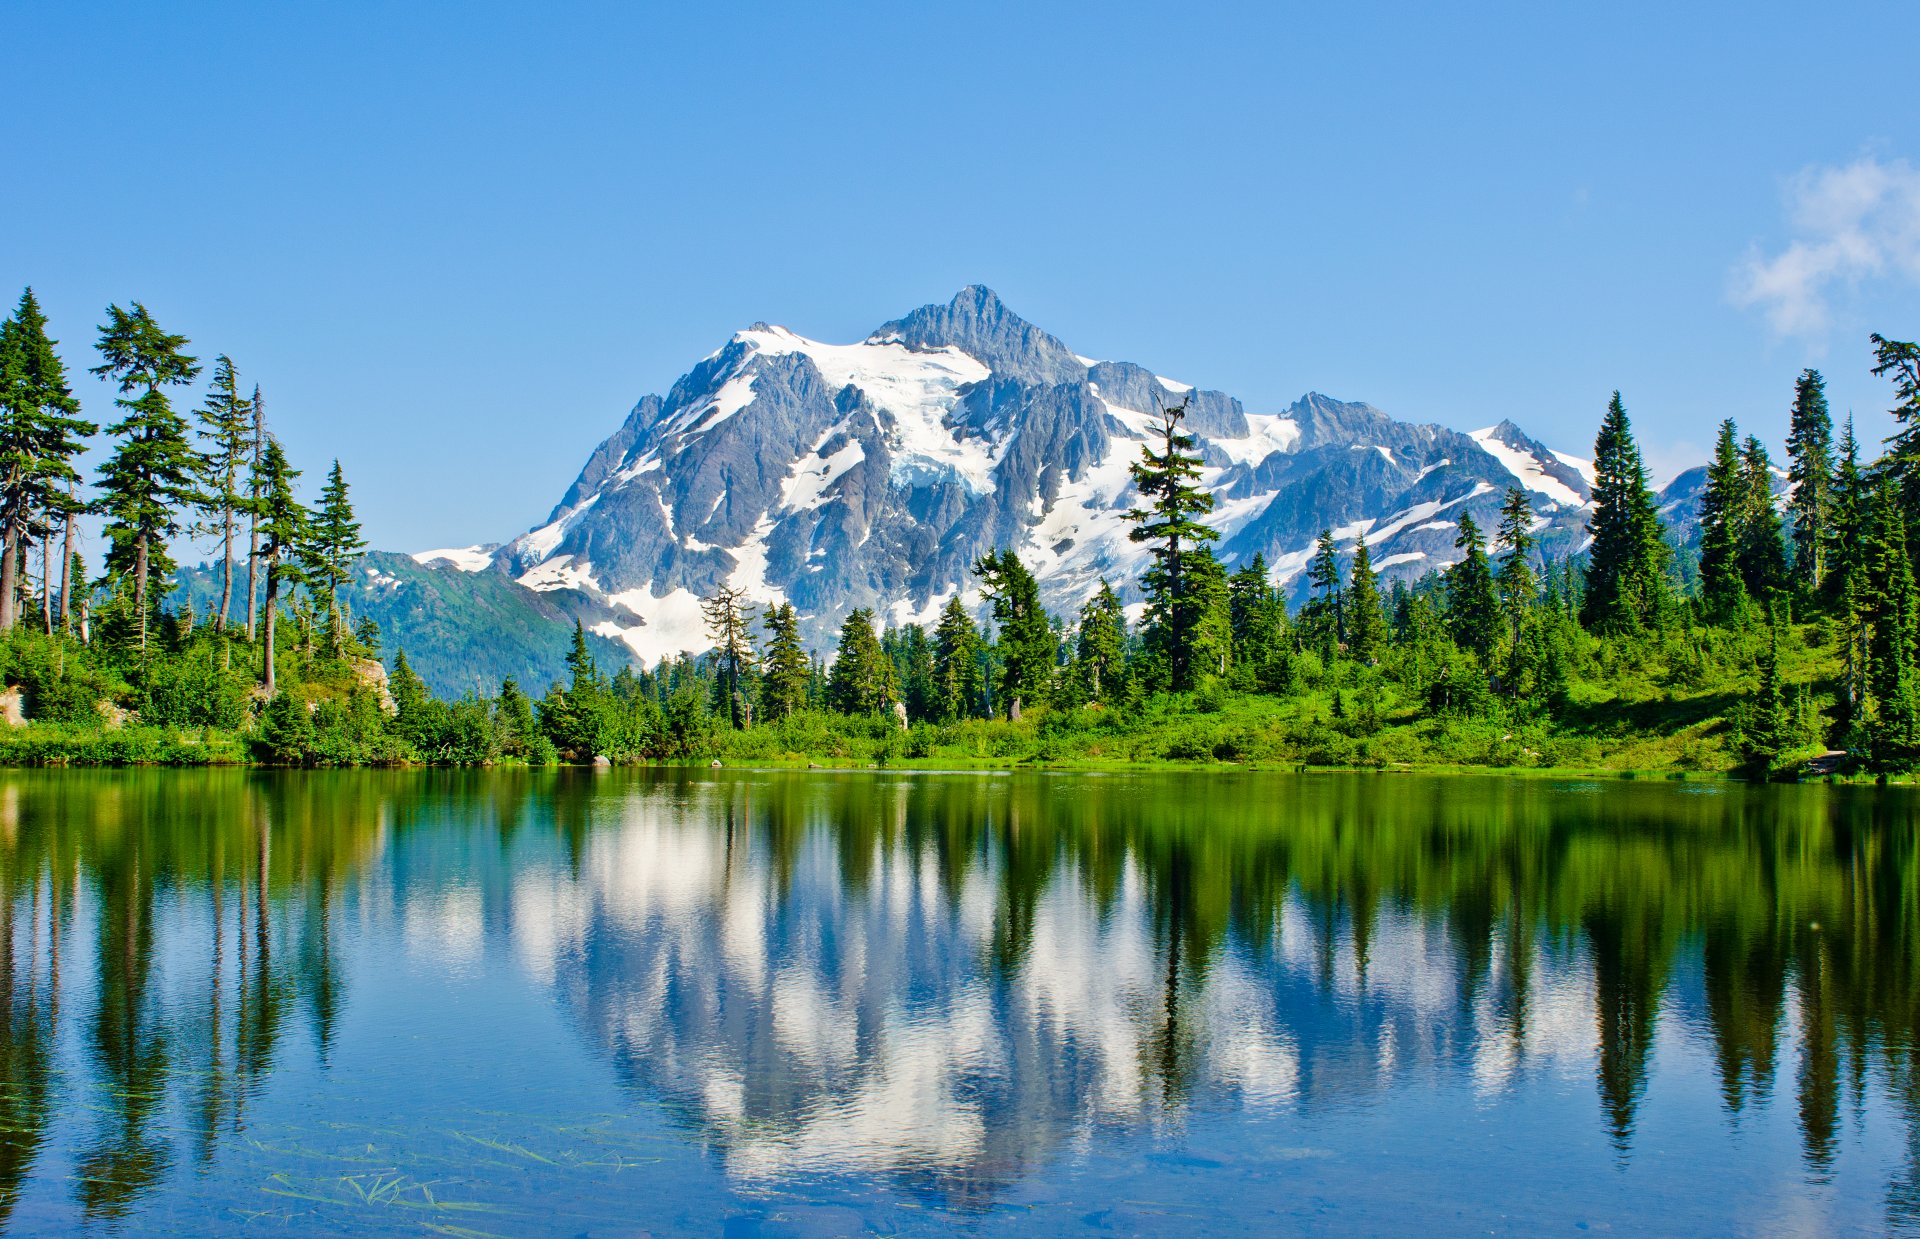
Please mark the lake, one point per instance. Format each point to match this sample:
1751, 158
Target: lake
627, 1002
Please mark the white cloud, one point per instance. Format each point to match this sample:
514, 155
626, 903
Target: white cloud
1851, 223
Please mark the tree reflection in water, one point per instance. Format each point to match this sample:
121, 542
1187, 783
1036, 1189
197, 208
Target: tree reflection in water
951, 982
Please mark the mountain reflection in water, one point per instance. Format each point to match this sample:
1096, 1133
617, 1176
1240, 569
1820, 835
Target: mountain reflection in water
951, 987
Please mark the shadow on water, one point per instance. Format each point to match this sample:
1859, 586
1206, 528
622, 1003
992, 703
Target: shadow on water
949, 982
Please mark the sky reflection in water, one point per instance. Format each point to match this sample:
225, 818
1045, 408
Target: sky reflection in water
560, 1003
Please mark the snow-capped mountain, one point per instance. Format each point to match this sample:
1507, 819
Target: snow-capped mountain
875, 474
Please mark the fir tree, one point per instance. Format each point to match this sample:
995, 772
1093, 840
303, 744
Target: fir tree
1366, 624
283, 525
253, 500
1899, 361
40, 435
1167, 480
1810, 475
1625, 585
1515, 541
152, 474
1473, 607
958, 685
1763, 564
336, 544
1028, 647
726, 618
1209, 600
1324, 613
861, 681
1722, 504
783, 687
226, 426
913, 665
1102, 646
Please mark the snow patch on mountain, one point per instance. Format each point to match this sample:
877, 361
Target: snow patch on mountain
466, 558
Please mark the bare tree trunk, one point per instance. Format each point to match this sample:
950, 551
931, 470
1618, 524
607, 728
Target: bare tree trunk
226, 568
9, 576
273, 605
66, 569
140, 588
46, 579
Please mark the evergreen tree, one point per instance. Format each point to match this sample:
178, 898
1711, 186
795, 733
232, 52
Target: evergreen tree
783, 687
40, 435
1473, 606
336, 544
1102, 647
283, 527
1209, 600
1810, 474
1517, 586
1167, 479
1899, 361
1894, 709
1763, 563
726, 617
1028, 646
1764, 728
1722, 504
152, 474
913, 665
1366, 623
226, 426
861, 681
1625, 585
253, 500
958, 685
1324, 615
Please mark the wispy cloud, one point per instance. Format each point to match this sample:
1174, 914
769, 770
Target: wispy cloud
1851, 223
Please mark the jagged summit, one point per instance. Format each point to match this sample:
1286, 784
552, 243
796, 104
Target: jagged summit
875, 473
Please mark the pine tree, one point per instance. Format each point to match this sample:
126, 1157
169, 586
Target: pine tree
726, 618
783, 688
283, 525
1515, 539
1324, 616
253, 500
1810, 475
153, 473
1209, 600
1763, 563
40, 435
1101, 650
1722, 505
1765, 729
1366, 624
1900, 361
1625, 585
1166, 479
226, 426
1894, 613
913, 665
1473, 607
1028, 646
861, 681
958, 686
335, 546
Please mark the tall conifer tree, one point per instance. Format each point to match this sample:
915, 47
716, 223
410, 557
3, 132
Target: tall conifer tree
1722, 504
783, 687
283, 526
226, 427
153, 473
1626, 586
1167, 479
41, 434
1366, 624
958, 686
1028, 647
1810, 474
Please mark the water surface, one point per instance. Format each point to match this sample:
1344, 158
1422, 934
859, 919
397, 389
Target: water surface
571, 1004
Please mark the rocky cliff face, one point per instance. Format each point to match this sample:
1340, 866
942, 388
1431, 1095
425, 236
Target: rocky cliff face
875, 473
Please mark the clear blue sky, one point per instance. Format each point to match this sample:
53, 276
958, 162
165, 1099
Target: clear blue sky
455, 242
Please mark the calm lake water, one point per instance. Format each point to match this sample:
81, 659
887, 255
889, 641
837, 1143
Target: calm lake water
815, 1004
